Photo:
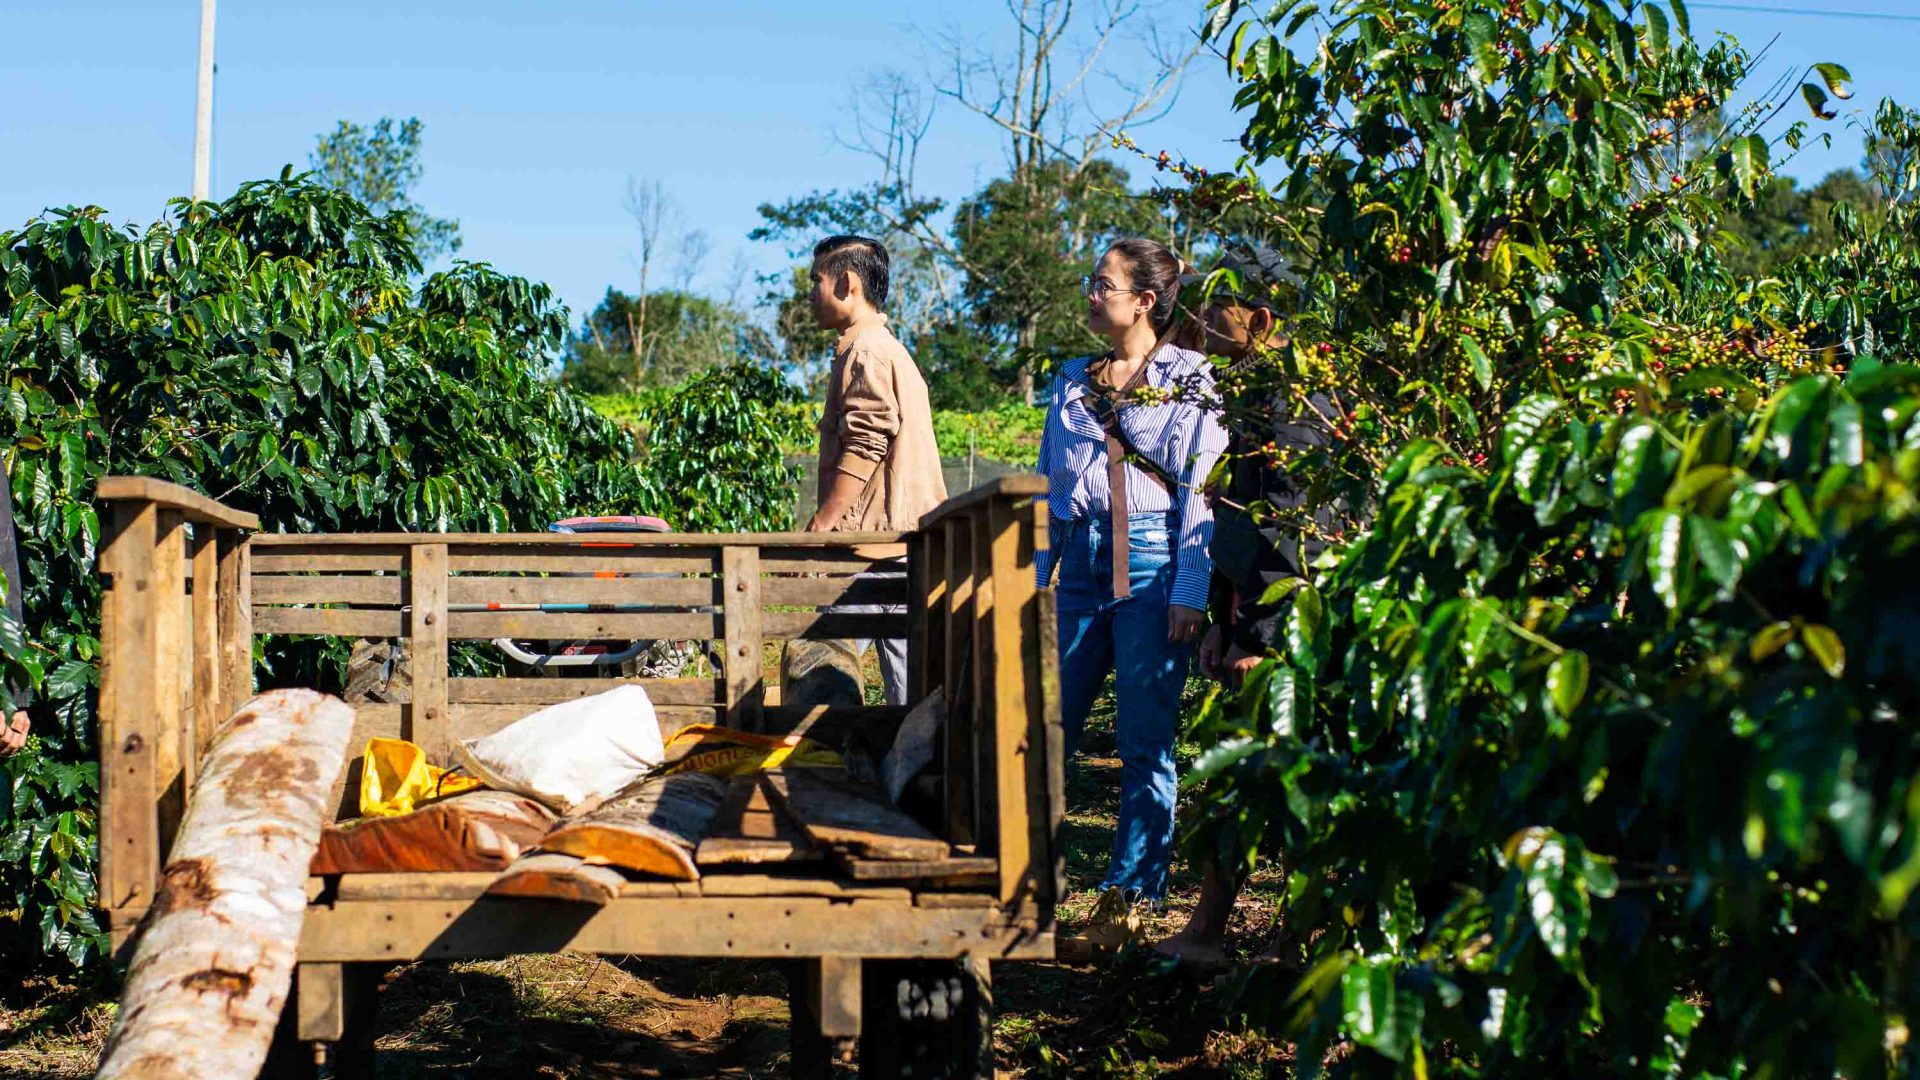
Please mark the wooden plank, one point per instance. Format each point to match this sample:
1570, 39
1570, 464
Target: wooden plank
235, 617
784, 625
651, 826
559, 877
1014, 485
957, 764
324, 560
329, 622
427, 631
829, 997
557, 560
1019, 765
172, 726
190, 504
980, 749
467, 885
693, 926
919, 617
749, 830
536, 691
746, 687
829, 560
129, 827
320, 996
1044, 651
822, 591
583, 626
800, 540
840, 814
957, 871
650, 591
327, 589
207, 671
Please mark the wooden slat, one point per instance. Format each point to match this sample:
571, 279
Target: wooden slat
428, 629
1046, 653
287, 561
129, 827
333, 622
207, 694
192, 505
584, 626
327, 589
773, 927
830, 560
799, 540
783, 625
749, 829
746, 688
549, 691
783, 591
558, 560
919, 577
1019, 764
957, 762
959, 871
1015, 485
980, 750
172, 726
236, 623
467, 885
840, 814
651, 591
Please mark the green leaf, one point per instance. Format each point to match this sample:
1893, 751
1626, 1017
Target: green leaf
1747, 162
1377, 1013
1838, 79
1681, 18
1222, 14
1656, 29
1567, 682
1291, 699
1525, 422
1665, 557
1453, 230
1221, 757
1477, 359
1826, 648
1771, 639
1716, 553
1816, 100
1306, 629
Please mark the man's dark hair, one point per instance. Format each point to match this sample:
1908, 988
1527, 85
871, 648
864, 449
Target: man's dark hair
865, 258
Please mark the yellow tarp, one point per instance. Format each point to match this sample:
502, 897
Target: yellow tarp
720, 751
395, 778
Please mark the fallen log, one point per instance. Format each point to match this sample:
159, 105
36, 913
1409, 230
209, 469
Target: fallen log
651, 825
214, 958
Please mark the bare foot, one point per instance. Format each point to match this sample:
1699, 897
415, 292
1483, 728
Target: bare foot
1188, 947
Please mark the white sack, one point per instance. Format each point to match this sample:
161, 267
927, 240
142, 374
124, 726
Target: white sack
572, 754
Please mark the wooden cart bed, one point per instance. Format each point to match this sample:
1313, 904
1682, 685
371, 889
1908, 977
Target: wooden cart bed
191, 584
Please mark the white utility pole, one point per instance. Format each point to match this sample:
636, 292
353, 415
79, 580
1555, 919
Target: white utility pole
203, 115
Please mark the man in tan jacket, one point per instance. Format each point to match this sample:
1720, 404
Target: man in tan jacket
879, 465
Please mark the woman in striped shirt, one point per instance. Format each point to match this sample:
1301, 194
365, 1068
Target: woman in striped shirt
1129, 440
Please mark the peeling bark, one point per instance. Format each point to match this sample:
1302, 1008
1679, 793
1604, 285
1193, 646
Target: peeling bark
215, 956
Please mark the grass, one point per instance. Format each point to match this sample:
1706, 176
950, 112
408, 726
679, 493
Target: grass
590, 1017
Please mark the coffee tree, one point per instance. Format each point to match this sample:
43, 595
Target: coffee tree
270, 351
1587, 746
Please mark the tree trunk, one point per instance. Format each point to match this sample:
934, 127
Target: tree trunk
1026, 332
215, 957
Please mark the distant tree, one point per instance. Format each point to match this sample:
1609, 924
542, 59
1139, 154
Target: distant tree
1786, 221
687, 334
380, 166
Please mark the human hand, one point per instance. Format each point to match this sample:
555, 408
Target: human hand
1237, 665
1184, 623
1212, 649
14, 736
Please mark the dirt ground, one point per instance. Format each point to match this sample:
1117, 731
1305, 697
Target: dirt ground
589, 1017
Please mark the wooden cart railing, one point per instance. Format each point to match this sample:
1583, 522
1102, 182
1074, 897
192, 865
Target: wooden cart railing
191, 584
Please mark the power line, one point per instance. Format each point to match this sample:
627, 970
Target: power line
1806, 11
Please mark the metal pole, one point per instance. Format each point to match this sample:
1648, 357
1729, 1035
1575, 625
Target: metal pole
203, 114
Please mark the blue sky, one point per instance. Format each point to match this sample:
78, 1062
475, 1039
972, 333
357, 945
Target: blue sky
537, 113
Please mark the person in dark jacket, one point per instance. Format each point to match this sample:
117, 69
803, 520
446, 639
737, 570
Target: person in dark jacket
14, 735
1257, 540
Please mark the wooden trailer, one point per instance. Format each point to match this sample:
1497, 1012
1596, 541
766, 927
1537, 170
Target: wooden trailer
190, 585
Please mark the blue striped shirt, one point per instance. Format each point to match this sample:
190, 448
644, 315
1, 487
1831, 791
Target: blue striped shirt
1182, 437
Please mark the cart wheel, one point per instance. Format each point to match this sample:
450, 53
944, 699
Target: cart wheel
926, 1019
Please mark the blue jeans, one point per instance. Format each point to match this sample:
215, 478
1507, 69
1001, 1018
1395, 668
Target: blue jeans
1128, 638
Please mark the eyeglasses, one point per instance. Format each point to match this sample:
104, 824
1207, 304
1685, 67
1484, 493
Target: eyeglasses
1098, 289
